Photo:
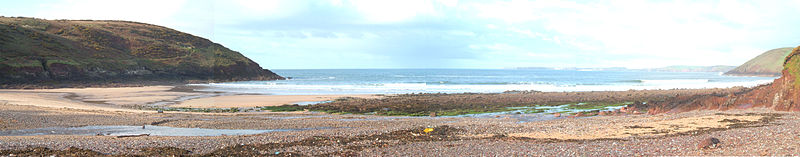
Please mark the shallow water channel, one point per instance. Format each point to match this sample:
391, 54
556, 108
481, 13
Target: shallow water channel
135, 130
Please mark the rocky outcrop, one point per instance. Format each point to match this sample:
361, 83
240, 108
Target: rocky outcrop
767, 64
783, 94
74, 52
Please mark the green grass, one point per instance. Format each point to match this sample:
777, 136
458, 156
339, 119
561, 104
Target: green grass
23, 63
793, 67
284, 108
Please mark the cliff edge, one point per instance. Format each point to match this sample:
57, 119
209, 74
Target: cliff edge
73, 53
783, 94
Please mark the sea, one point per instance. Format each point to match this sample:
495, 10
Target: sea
402, 81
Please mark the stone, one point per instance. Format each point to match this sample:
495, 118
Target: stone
433, 114
556, 114
708, 143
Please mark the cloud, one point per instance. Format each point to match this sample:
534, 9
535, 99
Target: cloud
462, 33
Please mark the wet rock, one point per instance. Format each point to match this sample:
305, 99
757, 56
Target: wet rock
602, 113
708, 143
556, 114
433, 114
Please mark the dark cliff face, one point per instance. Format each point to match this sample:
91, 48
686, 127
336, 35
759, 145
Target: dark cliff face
783, 94
36, 51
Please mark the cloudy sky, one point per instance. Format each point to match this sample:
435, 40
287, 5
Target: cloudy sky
324, 34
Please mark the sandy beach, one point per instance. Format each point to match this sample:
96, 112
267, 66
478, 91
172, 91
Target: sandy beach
396, 78
117, 99
756, 131
261, 100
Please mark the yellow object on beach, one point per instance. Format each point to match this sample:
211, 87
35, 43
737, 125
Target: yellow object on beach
428, 130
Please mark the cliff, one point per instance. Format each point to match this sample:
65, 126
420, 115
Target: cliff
767, 64
44, 53
783, 94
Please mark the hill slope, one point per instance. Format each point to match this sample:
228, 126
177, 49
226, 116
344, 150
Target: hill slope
679, 68
49, 52
767, 64
783, 94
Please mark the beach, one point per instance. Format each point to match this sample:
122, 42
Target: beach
755, 131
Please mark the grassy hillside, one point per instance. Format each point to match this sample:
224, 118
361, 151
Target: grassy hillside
36, 51
769, 63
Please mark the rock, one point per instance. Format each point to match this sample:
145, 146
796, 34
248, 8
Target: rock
556, 114
160, 111
579, 114
433, 114
86, 53
602, 113
708, 143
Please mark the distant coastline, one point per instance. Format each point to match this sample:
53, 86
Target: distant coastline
675, 68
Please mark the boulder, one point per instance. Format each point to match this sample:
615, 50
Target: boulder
708, 143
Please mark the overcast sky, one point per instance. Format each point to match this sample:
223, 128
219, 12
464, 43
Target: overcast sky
324, 34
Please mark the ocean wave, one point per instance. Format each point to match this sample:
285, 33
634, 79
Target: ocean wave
667, 81
472, 83
675, 81
400, 88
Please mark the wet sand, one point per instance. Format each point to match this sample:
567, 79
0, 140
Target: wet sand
261, 100
124, 98
755, 131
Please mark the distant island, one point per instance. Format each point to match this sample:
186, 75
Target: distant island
769, 63
46, 53
675, 68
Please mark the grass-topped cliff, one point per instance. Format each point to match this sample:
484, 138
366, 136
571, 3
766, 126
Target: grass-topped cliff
769, 63
783, 94
52, 52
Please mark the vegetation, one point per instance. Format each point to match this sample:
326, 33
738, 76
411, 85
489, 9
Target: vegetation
119, 51
769, 63
284, 108
792, 66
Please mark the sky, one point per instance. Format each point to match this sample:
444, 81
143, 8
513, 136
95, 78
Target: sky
366, 34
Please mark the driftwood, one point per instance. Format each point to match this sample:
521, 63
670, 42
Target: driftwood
139, 135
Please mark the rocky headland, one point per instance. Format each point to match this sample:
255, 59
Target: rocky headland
766, 64
38, 53
783, 94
